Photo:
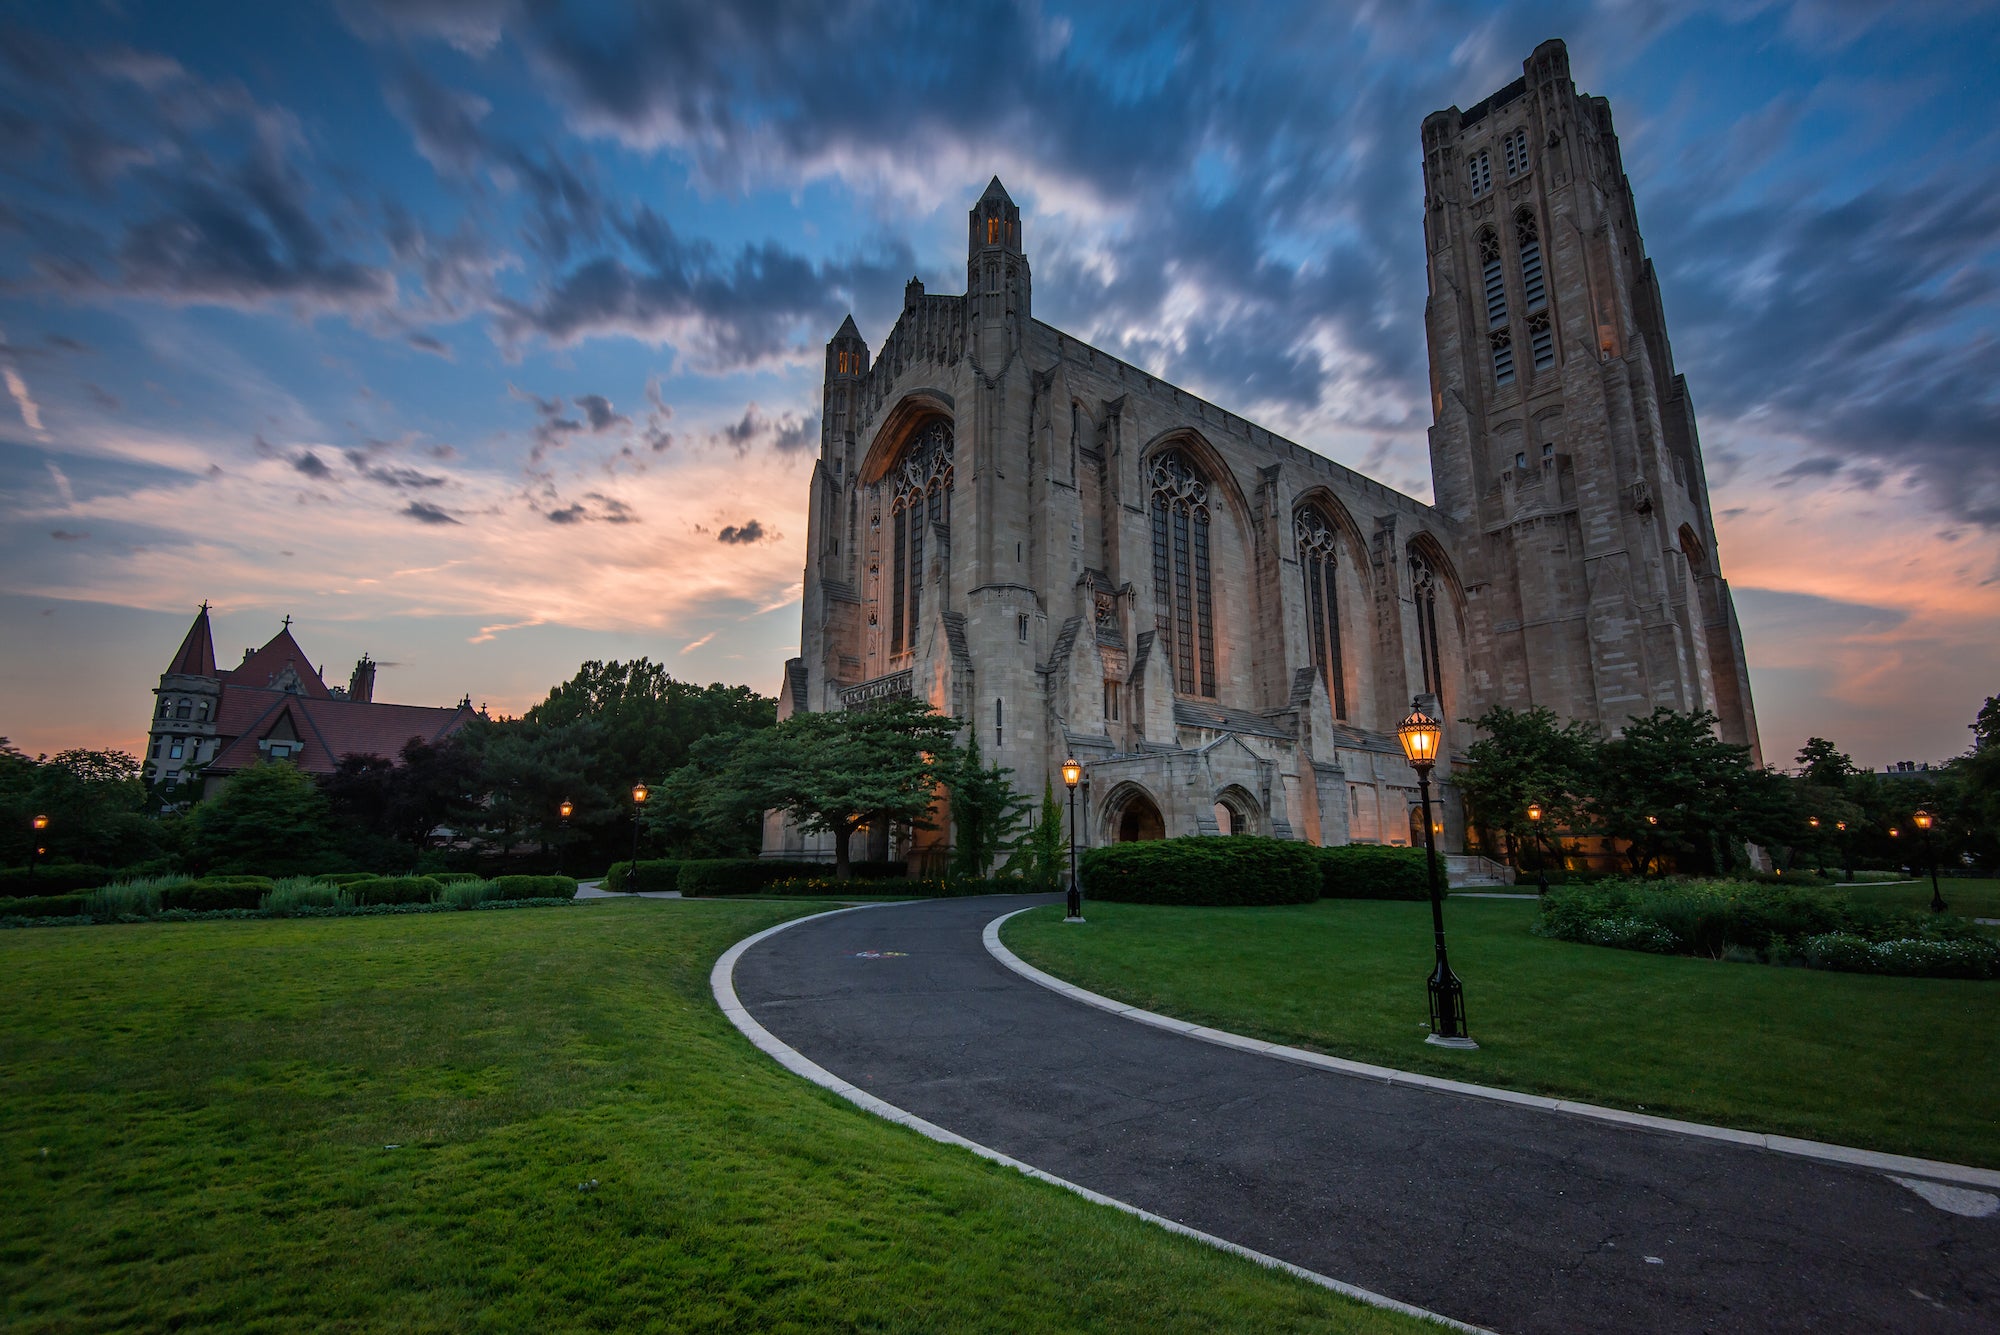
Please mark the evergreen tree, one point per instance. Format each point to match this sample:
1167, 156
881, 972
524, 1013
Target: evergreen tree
985, 811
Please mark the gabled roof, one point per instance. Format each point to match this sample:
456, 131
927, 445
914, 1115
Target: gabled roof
328, 728
197, 652
264, 667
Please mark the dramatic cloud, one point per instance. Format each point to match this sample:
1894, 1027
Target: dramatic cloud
426, 513
752, 531
788, 434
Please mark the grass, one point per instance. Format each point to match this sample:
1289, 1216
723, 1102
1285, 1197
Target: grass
381, 1123
1899, 1064
1964, 895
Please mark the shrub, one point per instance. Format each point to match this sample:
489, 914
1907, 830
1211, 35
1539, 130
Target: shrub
142, 898
531, 887
395, 890
454, 877
1373, 871
346, 877
306, 892
52, 878
209, 893
1976, 957
73, 905
659, 874
1211, 870
466, 894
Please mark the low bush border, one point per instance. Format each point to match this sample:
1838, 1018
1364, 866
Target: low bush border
218, 915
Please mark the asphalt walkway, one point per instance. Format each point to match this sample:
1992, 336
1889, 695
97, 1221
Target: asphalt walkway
1510, 1218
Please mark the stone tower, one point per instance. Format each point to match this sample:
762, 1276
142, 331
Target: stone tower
1564, 440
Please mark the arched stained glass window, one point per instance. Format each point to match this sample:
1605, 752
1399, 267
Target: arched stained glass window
1424, 586
1182, 571
920, 499
1318, 544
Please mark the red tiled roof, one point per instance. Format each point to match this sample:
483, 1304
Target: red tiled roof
328, 728
262, 668
197, 653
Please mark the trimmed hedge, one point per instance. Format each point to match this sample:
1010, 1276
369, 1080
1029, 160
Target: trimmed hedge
1373, 871
654, 874
210, 893
531, 887
52, 878
395, 890
347, 877
46, 906
1238, 869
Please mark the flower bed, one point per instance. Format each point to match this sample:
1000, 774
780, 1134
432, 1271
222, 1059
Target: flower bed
1773, 924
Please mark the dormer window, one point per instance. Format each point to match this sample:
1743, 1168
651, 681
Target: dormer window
1479, 170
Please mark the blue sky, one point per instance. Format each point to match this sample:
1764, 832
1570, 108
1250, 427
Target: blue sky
484, 336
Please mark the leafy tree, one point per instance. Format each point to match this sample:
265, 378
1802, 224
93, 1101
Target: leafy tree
1820, 763
833, 772
1527, 756
94, 801
985, 810
1672, 789
268, 820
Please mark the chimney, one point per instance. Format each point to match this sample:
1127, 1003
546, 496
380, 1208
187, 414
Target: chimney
361, 686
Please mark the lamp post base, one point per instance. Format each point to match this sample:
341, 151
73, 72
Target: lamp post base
1073, 920
1440, 1041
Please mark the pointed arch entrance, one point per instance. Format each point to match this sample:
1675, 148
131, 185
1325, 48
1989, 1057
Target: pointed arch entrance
1132, 816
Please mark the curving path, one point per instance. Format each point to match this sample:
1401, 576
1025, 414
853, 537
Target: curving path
1507, 1217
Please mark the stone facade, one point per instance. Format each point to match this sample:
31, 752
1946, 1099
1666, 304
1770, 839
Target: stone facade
1074, 557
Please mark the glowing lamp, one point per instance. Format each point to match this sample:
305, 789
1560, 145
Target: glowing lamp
41, 822
639, 794
1652, 820
1420, 735
1840, 825
1894, 832
1923, 820
1813, 821
1072, 772
1534, 811
566, 808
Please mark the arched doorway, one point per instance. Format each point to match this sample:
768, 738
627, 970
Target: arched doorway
1136, 818
1236, 812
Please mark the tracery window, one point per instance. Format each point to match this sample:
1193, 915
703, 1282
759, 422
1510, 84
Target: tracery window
1424, 586
1318, 541
1182, 571
920, 499
1515, 148
1535, 290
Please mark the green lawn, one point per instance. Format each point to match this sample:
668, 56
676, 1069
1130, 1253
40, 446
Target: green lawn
1910, 1065
1973, 898
381, 1123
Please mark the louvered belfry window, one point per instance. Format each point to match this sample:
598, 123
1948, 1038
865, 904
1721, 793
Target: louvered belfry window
1494, 282
1318, 543
1479, 170
921, 501
1182, 572
1515, 150
1535, 290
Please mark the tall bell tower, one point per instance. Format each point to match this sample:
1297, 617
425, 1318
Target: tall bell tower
1563, 438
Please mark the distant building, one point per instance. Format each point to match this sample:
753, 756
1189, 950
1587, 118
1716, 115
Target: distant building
274, 705
1076, 558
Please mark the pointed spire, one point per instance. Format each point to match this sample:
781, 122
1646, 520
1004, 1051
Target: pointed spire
847, 329
994, 223
996, 190
197, 652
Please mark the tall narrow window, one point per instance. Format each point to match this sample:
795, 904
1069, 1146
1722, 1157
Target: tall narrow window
1515, 149
1424, 587
1182, 572
1479, 168
1494, 281
1318, 546
1535, 291
999, 724
921, 500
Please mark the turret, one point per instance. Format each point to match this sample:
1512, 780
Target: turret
996, 273
361, 686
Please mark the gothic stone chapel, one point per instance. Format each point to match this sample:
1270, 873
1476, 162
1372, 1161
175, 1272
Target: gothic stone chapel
1074, 557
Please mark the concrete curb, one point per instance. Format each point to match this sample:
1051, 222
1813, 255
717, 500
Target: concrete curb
1804, 1149
721, 981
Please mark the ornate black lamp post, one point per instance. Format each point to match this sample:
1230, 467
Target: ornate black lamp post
1846, 847
639, 796
1072, 772
564, 808
1819, 850
1541, 863
1924, 821
1420, 735
40, 823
